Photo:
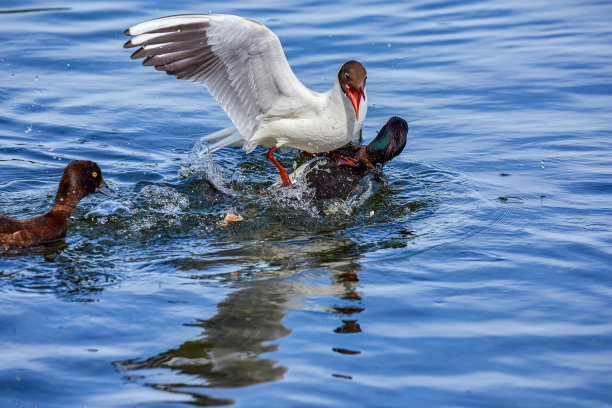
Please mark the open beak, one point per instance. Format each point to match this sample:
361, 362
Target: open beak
107, 191
355, 95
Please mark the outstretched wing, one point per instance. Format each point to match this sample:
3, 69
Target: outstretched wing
240, 61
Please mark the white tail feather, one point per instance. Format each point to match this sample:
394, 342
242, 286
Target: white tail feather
220, 134
223, 138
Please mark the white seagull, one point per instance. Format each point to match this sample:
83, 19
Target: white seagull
243, 65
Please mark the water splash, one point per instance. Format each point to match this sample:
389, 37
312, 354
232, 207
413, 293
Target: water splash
107, 208
162, 199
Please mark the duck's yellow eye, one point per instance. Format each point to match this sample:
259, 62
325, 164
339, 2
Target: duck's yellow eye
95, 174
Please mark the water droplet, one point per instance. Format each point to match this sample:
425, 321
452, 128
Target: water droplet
36, 78
28, 129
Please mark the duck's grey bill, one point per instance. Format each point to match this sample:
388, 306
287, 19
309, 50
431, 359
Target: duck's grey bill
107, 191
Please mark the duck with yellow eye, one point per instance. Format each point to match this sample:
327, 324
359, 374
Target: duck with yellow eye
80, 178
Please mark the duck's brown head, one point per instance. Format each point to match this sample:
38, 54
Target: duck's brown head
80, 178
352, 77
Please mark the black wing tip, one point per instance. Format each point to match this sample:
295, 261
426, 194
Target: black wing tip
127, 32
137, 54
149, 62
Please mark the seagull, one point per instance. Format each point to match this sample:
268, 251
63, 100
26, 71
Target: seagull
242, 63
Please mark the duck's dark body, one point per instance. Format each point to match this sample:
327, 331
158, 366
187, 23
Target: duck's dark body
80, 178
330, 178
35, 231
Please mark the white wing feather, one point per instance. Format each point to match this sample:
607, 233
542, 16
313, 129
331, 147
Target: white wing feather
239, 60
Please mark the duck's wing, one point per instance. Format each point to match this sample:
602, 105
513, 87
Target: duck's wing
240, 61
9, 225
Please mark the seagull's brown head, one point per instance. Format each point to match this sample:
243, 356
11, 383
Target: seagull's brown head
352, 77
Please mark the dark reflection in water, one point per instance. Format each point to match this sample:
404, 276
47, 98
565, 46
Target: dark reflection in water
348, 279
233, 349
35, 10
229, 352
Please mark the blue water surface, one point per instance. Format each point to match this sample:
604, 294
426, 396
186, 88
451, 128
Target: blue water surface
477, 276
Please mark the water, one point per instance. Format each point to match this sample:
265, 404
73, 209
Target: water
477, 276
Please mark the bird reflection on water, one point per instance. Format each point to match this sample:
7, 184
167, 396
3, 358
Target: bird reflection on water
231, 350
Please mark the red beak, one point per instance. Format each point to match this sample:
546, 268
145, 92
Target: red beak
355, 95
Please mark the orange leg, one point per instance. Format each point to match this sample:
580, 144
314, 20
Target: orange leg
283, 173
349, 161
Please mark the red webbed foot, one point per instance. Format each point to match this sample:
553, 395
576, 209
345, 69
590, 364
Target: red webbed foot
283, 173
349, 161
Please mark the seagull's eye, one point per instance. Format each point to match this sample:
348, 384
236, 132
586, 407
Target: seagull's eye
94, 174
346, 75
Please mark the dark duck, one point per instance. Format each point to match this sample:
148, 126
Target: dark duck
80, 178
329, 177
